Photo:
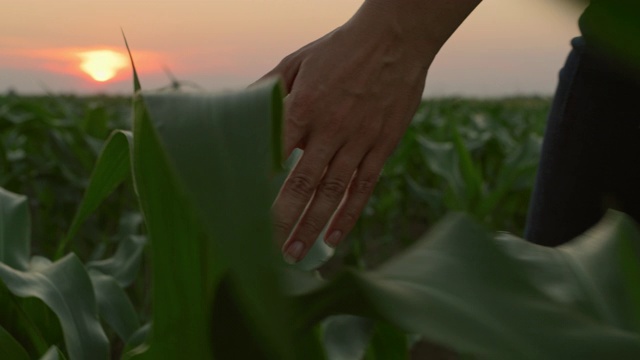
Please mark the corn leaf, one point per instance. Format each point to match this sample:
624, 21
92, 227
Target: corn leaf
64, 286
125, 264
502, 299
179, 290
11, 348
111, 169
202, 165
114, 305
473, 182
14, 230
346, 337
53, 354
388, 342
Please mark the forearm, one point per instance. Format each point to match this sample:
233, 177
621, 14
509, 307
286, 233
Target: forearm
425, 24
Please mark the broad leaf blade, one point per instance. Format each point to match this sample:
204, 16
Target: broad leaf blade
65, 287
111, 169
461, 288
124, 265
346, 337
11, 348
53, 354
114, 305
596, 273
179, 289
14, 230
221, 150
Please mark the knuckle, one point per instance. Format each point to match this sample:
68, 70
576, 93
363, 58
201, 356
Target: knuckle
364, 186
282, 227
350, 217
287, 60
295, 118
301, 186
311, 225
297, 113
372, 129
332, 189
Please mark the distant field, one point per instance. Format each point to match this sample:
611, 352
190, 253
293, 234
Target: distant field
476, 156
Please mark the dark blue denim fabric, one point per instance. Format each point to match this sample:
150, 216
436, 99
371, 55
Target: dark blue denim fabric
591, 150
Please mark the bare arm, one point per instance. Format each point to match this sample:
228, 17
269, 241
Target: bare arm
352, 94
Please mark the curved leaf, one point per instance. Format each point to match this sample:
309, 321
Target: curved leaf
53, 354
124, 265
202, 165
461, 288
14, 230
65, 287
346, 337
179, 291
11, 348
111, 169
114, 305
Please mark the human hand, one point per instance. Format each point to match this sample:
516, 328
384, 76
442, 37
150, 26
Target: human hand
351, 96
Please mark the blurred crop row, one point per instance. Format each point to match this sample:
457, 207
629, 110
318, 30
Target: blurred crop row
475, 156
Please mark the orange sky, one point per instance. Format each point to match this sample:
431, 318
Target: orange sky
505, 47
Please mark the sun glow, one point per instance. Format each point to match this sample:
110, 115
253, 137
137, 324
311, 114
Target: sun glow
102, 65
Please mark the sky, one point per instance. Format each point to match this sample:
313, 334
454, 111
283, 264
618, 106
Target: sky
505, 48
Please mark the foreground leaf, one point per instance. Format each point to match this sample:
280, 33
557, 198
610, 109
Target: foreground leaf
202, 165
461, 288
65, 287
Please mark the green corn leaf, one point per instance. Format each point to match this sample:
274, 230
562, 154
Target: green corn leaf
125, 264
202, 165
65, 287
137, 339
10, 348
502, 299
136, 80
53, 354
596, 273
442, 160
388, 342
114, 305
29, 320
472, 176
346, 337
14, 230
111, 169
179, 285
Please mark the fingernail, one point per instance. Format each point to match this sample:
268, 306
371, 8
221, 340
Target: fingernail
334, 239
293, 252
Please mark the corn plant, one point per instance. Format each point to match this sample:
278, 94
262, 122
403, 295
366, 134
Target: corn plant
203, 168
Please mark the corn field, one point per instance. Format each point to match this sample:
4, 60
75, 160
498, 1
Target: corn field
140, 229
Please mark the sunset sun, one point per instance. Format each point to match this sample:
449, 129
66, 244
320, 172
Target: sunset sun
102, 65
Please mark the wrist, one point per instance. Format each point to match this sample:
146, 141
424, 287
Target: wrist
425, 25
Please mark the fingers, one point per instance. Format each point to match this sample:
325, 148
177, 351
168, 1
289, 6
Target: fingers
326, 199
358, 195
295, 127
298, 190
